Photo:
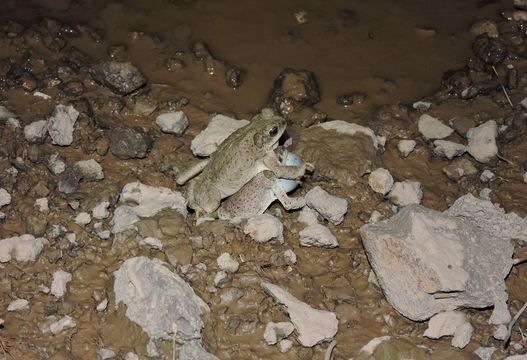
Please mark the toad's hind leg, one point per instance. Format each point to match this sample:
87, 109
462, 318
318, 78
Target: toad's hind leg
287, 202
192, 171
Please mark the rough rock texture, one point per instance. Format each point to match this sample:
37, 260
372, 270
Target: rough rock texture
448, 149
431, 128
450, 323
157, 298
293, 89
36, 131
129, 143
21, 248
405, 147
149, 201
173, 122
317, 235
482, 141
61, 124
405, 193
5, 197
90, 169
120, 77
380, 181
274, 332
312, 325
459, 168
347, 128
60, 282
263, 228
427, 262
218, 129
193, 350
332, 208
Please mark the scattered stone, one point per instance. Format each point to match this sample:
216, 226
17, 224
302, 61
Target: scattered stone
482, 142
348, 100
431, 128
405, 147
102, 305
294, 89
61, 124
318, 235
308, 216
263, 228
106, 354
485, 353
158, 300
218, 129
221, 278
381, 181
144, 106
63, 324
193, 350
448, 149
36, 131
152, 242
42, 204
227, 263
422, 105
450, 323
90, 170
290, 256
120, 77
41, 95
129, 143
331, 208
5, 197
56, 164
104, 235
375, 216
406, 193
60, 282
312, 325
173, 122
285, 345
22, 248
69, 181
351, 129
100, 211
420, 254
6, 115
274, 332
487, 176
491, 51
150, 200
18, 305
459, 169
83, 218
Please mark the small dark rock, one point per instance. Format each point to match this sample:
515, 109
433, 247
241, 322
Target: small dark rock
102, 145
234, 77
512, 78
83, 106
120, 77
173, 64
73, 88
36, 225
351, 99
27, 82
293, 89
69, 31
56, 43
200, 51
117, 52
69, 181
35, 153
129, 143
491, 51
178, 103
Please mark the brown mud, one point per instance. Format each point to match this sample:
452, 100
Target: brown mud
393, 53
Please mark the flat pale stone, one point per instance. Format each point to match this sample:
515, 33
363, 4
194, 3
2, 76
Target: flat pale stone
275, 332
227, 263
22, 248
5, 197
381, 181
448, 149
61, 124
173, 122
482, 141
36, 131
263, 228
450, 323
18, 304
317, 235
405, 193
332, 208
347, 128
405, 147
432, 128
60, 282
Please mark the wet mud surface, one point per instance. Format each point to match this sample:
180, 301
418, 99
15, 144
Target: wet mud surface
370, 63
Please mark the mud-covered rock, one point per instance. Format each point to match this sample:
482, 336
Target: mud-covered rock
293, 89
460, 168
120, 77
491, 50
69, 180
129, 143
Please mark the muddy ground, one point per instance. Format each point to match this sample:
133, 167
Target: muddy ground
371, 62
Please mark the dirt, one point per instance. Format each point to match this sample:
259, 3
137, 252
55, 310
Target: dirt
390, 54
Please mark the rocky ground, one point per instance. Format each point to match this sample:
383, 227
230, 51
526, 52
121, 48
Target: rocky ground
415, 210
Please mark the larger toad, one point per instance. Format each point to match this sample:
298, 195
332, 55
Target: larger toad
245, 153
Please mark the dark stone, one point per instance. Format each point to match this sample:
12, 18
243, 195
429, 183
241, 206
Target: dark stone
83, 106
173, 64
491, 51
351, 99
73, 88
27, 82
293, 89
234, 77
35, 153
69, 31
120, 77
129, 143
69, 181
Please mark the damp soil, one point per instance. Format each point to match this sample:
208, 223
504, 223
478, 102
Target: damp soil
391, 54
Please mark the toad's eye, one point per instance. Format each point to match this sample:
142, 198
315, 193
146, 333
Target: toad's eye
274, 131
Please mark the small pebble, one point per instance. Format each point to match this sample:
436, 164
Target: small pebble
83, 218
319, 236
17, 305
227, 263
487, 176
406, 147
381, 181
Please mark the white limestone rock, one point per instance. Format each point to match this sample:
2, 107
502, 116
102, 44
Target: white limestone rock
405, 147
22, 248
90, 169
285, 345
55, 164
290, 256
347, 128
486, 176
100, 211
318, 235
308, 216
482, 141
63, 324
485, 353
448, 149
173, 122
106, 354
42, 204
6, 114
83, 218
102, 305
274, 332
218, 129
263, 228
36, 131
61, 124
59, 284
381, 181
152, 242
406, 193
332, 208
18, 305
427, 262
227, 263
148, 200
5, 197
422, 105
450, 323
432, 128
313, 326
157, 298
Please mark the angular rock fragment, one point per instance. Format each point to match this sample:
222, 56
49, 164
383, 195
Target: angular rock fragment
61, 124
129, 143
263, 228
459, 168
381, 181
448, 149
450, 323
431, 128
193, 350
90, 170
120, 77
5, 197
319, 236
274, 332
22, 248
482, 141
405, 193
332, 208
60, 282
173, 122
36, 131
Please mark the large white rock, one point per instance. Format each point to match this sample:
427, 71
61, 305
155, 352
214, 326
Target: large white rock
59, 284
347, 128
265, 227
381, 181
450, 323
448, 149
173, 122
313, 326
319, 236
432, 128
218, 129
5, 197
427, 262
406, 193
158, 300
149, 201
482, 141
90, 169
61, 124
36, 131
22, 248
406, 147
332, 208
275, 332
